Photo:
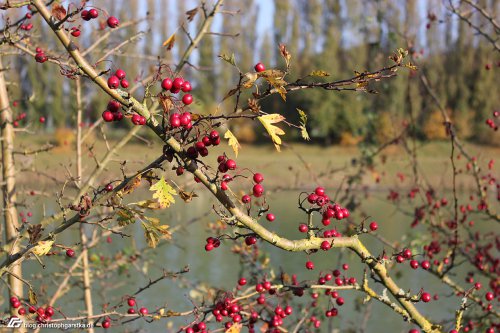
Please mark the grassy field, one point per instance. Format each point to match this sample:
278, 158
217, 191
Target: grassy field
297, 166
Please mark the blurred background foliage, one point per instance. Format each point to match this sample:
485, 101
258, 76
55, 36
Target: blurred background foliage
336, 36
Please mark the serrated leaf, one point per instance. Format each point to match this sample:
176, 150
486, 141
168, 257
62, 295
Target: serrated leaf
303, 123
187, 197
151, 237
249, 80
163, 192
125, 217
319, 73
267, 121
32, 297
275, 79
232, 141
169, 43
229, 59
43, 247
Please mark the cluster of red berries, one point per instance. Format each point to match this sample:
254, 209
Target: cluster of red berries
114, 81
43, 314
403, 255
319, 198
212, 243
491, 123
19, 118
177, 85
201, 147
90, 14
132, 303
200, 327
112, 112
29, 26
257, 191
40, 56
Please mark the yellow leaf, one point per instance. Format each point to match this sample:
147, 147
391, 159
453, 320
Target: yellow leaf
43, 247
319, 73
267, 121
249, 79
163, 192
232, 141
169, 43
149, 204
235, 328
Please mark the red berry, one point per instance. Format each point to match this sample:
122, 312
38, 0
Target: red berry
113, 22
373, 226
250, 240
414, 264
85, 15
166, 84
70, 253
309, 265
426, 297
144, 311
231, 164
131, 301
325, 245
258, 178
175, 120
185, 119
41, 119
15, 304
131, 311
270, 217
113, 82
258, 190
187, 99
489, 296
242, 281
246, 198
107, 116
186, 86
340, 301
109, 188
124, 83
425, 264
106, 324
75, 32
93, 13
303, 228
407, 253
49, 311
209, 247
117, 116
320, 191
259, 67
177, 84
21, 311
113, 106
120, 73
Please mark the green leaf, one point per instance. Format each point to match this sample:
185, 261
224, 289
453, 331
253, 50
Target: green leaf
229, 59
319, 73
303, 123
163, 192
125, 217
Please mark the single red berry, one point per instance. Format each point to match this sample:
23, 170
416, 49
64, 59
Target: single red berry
15, 304
117, 116
21, 311
311, 198
144, 311
258, 178
223, 186
231, 164
70, 253
187, 99
340, 301
113, 82
259, 67
41, 58
258, 190
113, 106
414, 330
242, 281
373, 226
177, 84
325, 245
166, 84
270, 217
250, 240
107, 116
209, 247
106, 324
120, 73
185, 119
186, 86
214, 135
113, 22
93, 13
426, 297
109, 188
131, 311
75, 32
320, 191
309, 265
32, 309
175, 120
489, 296
49, 311
246, 198
303, 228
28, 15
85, 15
124, 83
407, 253
41, 119
414, 264
179, 171
425, 264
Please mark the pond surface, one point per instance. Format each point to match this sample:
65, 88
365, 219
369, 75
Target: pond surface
221, 269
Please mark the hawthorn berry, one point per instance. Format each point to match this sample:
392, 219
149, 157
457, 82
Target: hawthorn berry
242, 281
303, 228
373, 226
107, 116
231, 164
113, 82
186, 86
41, 119
414, 264
425, 264
187, 99
270, 217
259, 67
250, 240
124, 83
131, 311
185, 119
49, 311
106, 324
425, 297
325, 245
258, 178
75, 32
109, 188
21, 311
166, 84
489, 296
175, 120
143, 311
258, 190
309, 265
177, 83
120, 74
93, 13
320, 191
70, 253
113, 22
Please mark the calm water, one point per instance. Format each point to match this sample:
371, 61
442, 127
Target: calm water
220, 268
